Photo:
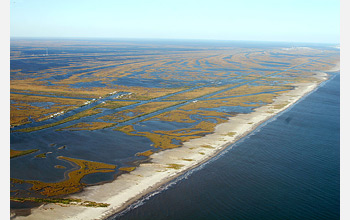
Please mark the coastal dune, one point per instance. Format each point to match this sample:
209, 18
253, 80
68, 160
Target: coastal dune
169, 164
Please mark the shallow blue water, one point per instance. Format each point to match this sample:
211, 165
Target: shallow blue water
287, 169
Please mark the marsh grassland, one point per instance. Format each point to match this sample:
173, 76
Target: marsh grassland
96, 110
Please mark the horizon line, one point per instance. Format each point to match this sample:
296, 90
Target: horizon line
171, 39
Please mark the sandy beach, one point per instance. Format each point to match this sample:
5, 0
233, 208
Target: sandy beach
169, 164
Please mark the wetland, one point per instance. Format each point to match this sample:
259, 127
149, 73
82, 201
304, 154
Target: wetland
94, 112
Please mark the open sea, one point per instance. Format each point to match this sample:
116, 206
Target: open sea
288, 168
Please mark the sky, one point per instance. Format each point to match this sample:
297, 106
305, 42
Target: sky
258, 20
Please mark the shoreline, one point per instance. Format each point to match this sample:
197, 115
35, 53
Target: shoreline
147, 178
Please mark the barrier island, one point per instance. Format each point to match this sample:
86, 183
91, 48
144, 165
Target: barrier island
96, 125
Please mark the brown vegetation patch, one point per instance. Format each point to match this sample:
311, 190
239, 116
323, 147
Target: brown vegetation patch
231, 134
114, 104
21, 107
40, 87
207, 146
174, 166
137, 111
42, 155
18, 153
197, 93
186, 159
145, 153
249, 89
63, 201
88, 126
127, 129
72, 184
184, 116
85, 113
143, 93
245, 101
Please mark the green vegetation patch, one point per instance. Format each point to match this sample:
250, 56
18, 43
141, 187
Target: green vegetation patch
185, 159
174, 166
42, 155
65, 201
207, 146
231, 134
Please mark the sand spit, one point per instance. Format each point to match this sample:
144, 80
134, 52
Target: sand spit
169, 164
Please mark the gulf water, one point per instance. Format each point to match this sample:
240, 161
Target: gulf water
289, 168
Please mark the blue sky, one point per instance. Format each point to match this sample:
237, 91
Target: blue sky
259, 20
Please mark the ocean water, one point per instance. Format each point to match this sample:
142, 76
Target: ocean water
289, 168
